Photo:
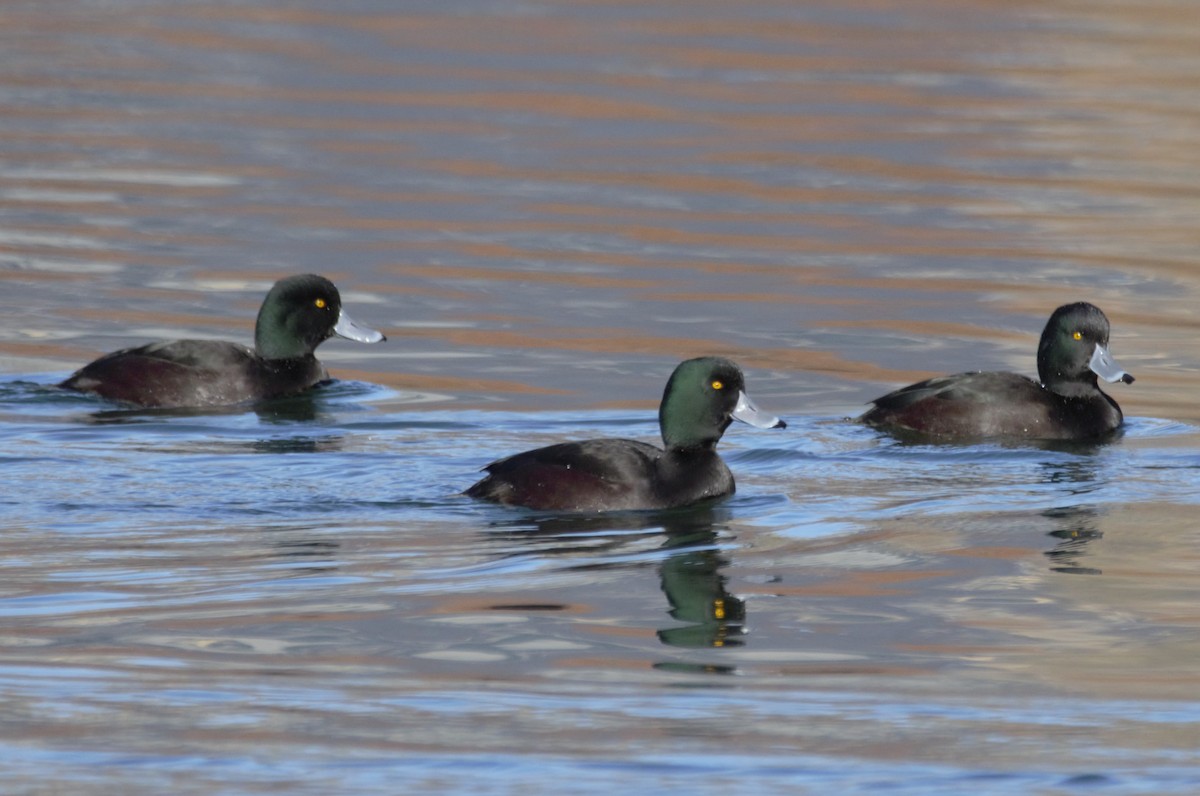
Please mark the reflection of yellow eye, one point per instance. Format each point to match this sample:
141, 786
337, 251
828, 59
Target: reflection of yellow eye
1078, 335
321, 304
717, 385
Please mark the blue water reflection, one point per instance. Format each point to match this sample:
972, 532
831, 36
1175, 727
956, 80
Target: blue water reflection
330, 532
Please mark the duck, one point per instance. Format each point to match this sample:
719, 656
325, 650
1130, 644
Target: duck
1065, 403
702, 397
298, 314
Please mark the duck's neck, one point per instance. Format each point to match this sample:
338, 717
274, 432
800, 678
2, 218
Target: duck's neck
1084, 387
689, 475
691, 433
273, 341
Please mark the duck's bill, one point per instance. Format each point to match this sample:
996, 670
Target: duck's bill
1104, 366
750, 414
346, 327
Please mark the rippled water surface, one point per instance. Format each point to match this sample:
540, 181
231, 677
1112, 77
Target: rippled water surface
546, 206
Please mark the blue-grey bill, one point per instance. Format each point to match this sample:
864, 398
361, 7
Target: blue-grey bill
750, 414
346, 327
1104, 366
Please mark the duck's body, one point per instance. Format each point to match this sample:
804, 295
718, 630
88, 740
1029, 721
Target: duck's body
1067, 404
994, 404
702, 397
298, 314
195, 373
605, 475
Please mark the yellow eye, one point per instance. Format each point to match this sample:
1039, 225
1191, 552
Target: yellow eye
718, 385
320, 304
1078, 335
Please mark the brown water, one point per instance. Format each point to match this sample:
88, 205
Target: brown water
547, 206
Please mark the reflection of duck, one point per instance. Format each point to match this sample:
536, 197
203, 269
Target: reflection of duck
328, 443
1077, 530
321, 554
702, 397
1066, 402
689, 575
300, 409
695, 588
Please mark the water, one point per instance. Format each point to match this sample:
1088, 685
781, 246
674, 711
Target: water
299, 595
546, 206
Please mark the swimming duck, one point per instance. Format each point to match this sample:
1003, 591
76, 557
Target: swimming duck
297, 315
702, 397
1066, 403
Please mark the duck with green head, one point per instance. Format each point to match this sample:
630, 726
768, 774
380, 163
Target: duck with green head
1066, 403
297, 315
702, 397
